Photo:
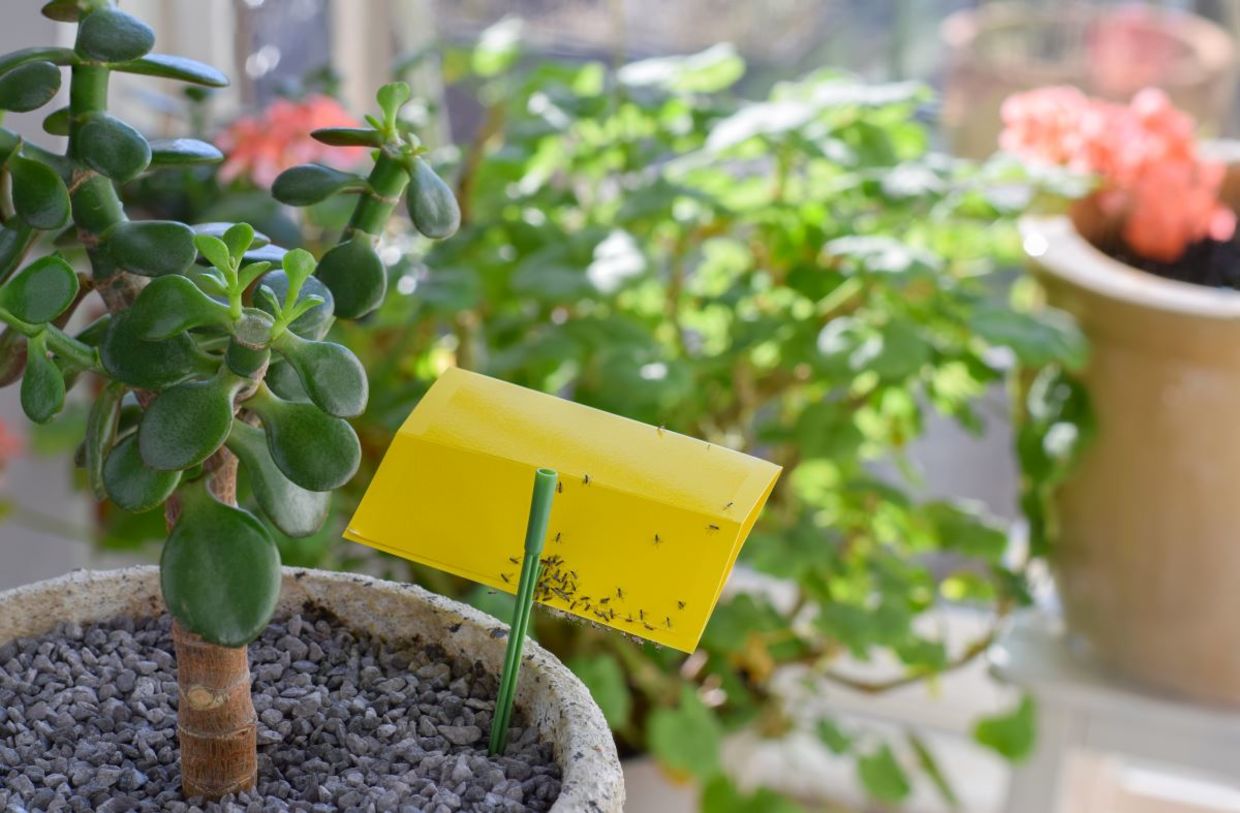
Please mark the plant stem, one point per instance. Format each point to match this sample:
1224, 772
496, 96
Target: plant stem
384, 186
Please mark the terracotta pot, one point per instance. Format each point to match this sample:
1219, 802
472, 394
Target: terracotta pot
1004, 48
1147, 557
557, 702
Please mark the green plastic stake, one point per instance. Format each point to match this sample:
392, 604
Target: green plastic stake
535, 536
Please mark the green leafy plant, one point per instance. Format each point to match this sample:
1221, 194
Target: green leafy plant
212, 347
799, 277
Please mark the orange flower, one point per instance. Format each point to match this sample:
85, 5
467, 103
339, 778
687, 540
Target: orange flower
261, 147
1144, 154
10, 446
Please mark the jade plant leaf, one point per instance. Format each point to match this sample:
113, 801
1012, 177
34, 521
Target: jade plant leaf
62, 11
310, 183
348, 137
29, 86
180, 68
113, 148
43, 386
167, 152
57, 122
171, 305
41, 291
150, 365
218, 229
13, 356
355, 275
432, 206
220, 571
315, 322
40, 197
110, 35
151, 248
281, 378
330, 374
294, 510
187, 423
100, 432
313, 449
39, 53
132, 484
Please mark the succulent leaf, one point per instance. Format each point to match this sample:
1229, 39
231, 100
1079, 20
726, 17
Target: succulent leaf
432, 206
113, 148
217, 229
220, 571
132, 484
151, 248
187, 423
291, 508
355, 275
111, 35
167, 152
173, 304
29, 86
330, 374
57, 122
40, 197
150, 365
179, 68
100, 432
41, 291
311, 183
313, 449
348, 137
43, 385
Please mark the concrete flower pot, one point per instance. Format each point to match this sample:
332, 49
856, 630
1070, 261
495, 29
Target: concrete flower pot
556, 702
999, 49
1147, 557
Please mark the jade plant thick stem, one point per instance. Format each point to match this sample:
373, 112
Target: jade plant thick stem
212, 350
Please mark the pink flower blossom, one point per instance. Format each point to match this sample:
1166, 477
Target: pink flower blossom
1163, 194
10, 446
261, 147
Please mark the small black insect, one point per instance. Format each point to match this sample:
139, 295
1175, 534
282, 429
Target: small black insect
726, 507
619, 593
514, 560
505, 577
648, 627
629, 618
604, 600
680, 605
557, 536
585, 480
559, 487
667, 622
657, 540
713, 527
641, 614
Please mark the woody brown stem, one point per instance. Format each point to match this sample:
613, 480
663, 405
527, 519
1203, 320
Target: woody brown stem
216, 724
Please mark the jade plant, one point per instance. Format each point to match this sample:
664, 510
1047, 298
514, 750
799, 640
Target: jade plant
211, 349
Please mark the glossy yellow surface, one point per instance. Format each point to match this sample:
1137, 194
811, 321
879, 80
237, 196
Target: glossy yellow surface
644, 531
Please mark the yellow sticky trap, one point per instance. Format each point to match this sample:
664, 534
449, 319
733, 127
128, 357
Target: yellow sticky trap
644, 530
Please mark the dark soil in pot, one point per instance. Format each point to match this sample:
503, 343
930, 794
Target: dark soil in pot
1213, 263
346, 722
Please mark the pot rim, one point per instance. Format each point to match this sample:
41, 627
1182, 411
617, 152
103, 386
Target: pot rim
558, 703
1056, 247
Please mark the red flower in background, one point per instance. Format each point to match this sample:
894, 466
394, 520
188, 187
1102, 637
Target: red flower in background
10, 446
1144, 153
261, 147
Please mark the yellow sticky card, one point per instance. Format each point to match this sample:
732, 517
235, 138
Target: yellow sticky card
644, 530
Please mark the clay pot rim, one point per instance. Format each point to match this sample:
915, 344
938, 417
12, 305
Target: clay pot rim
558, 702
1211, 48
1056, 247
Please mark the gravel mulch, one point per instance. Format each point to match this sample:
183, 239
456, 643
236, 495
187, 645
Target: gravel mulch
87, 723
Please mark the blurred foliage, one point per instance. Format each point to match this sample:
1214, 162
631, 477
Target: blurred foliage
798, 277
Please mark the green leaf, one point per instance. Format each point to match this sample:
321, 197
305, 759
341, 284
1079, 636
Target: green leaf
298, 266
347, 137
219, 228
152, 248
605, 679
330, 374
715, 69
355, 275
966, 531
173, 304
1012, 735
41, 291
931, 768
315, 321
237, 239
150, 365
498, 48
62, 11
29, 86
315, 450
220, 571
130, 483
39, 53
686, 738
215, 250
112, 148
432, 206
311, 183
882, 776
100, 431
293, 509
57, 122
391, 98
40, 197
111, 35
187, 423
175, 67
167, 152
1037, 340
834, 737
721, 796
43, 386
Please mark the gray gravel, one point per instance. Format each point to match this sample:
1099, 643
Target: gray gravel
87, 723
